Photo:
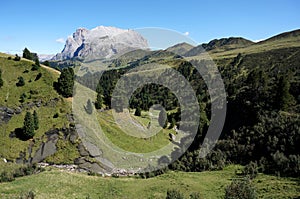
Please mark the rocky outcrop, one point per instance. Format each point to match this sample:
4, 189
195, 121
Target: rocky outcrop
6, 113
101, 42
46, 148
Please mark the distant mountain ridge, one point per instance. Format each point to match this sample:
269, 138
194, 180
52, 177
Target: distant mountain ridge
181, 48
285, 35
100, 42
110, 42
220, 44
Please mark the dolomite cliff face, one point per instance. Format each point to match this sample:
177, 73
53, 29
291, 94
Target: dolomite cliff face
101, 42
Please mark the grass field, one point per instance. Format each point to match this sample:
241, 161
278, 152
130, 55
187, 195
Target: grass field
61, 184
130, 143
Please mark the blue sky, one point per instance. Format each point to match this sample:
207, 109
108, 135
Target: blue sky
38, 24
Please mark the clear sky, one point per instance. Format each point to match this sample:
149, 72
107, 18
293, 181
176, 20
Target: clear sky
43, 25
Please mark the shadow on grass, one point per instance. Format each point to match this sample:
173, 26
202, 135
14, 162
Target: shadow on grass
18, 133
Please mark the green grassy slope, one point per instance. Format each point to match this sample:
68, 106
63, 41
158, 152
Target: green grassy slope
60, 185
36, 91
289, 40
130, 143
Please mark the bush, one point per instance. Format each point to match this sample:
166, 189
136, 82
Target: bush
23, 97
34, 92
35, 67
29, 195
251, 170
174, 194
21, 81
55, 115
46, 63
38, 76
195, 195
240, 189
6, 177
17, 58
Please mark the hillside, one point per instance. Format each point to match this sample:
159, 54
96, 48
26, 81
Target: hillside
284, 40
37, 95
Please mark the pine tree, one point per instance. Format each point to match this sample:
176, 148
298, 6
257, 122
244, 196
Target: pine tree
138, 111
27, 54
66, 82
283, 96
28, 128
1, 80
99, 101
35, 120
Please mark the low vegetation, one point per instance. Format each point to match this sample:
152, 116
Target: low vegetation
209, 184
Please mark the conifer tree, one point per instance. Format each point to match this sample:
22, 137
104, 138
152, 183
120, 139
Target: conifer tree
28, 128
66, 82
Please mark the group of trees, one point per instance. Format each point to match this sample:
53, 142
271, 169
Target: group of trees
30, 124
29, 55
32, 56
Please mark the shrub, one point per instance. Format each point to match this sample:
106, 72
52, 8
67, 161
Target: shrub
38, 76
55, 115
46, 63
17, 58
6, 177
29, 195
240, 189
251, 170
23, 97
35, 67
195, 195
21, 81
174, 194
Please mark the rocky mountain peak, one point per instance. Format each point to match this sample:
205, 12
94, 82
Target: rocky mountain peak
101, 42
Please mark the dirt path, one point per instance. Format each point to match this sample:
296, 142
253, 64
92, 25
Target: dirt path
50, 69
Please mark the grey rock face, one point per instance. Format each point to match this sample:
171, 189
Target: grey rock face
101, 42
